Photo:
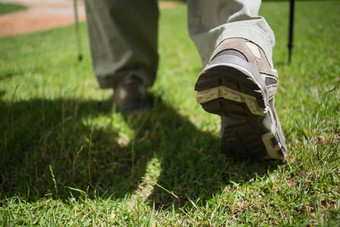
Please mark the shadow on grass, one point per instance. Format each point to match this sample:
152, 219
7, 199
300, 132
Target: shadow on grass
46, 139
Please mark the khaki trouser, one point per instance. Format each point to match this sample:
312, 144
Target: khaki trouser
123, 34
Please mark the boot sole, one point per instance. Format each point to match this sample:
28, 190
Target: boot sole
237, 91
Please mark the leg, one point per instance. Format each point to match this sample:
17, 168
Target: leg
238, 83
211, 22
123, 39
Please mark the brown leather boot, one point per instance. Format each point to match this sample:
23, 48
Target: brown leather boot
240, 85
131, 96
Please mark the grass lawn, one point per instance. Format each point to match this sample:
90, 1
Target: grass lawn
10, 8
67, 157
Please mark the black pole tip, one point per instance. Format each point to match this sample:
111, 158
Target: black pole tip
290, 45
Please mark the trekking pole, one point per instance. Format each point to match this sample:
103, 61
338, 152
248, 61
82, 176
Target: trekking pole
76, 27
291, 30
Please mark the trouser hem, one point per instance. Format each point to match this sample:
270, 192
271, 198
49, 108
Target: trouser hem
251, 33
106, 82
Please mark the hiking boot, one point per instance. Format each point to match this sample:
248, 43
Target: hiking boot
239, 85
131, 96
